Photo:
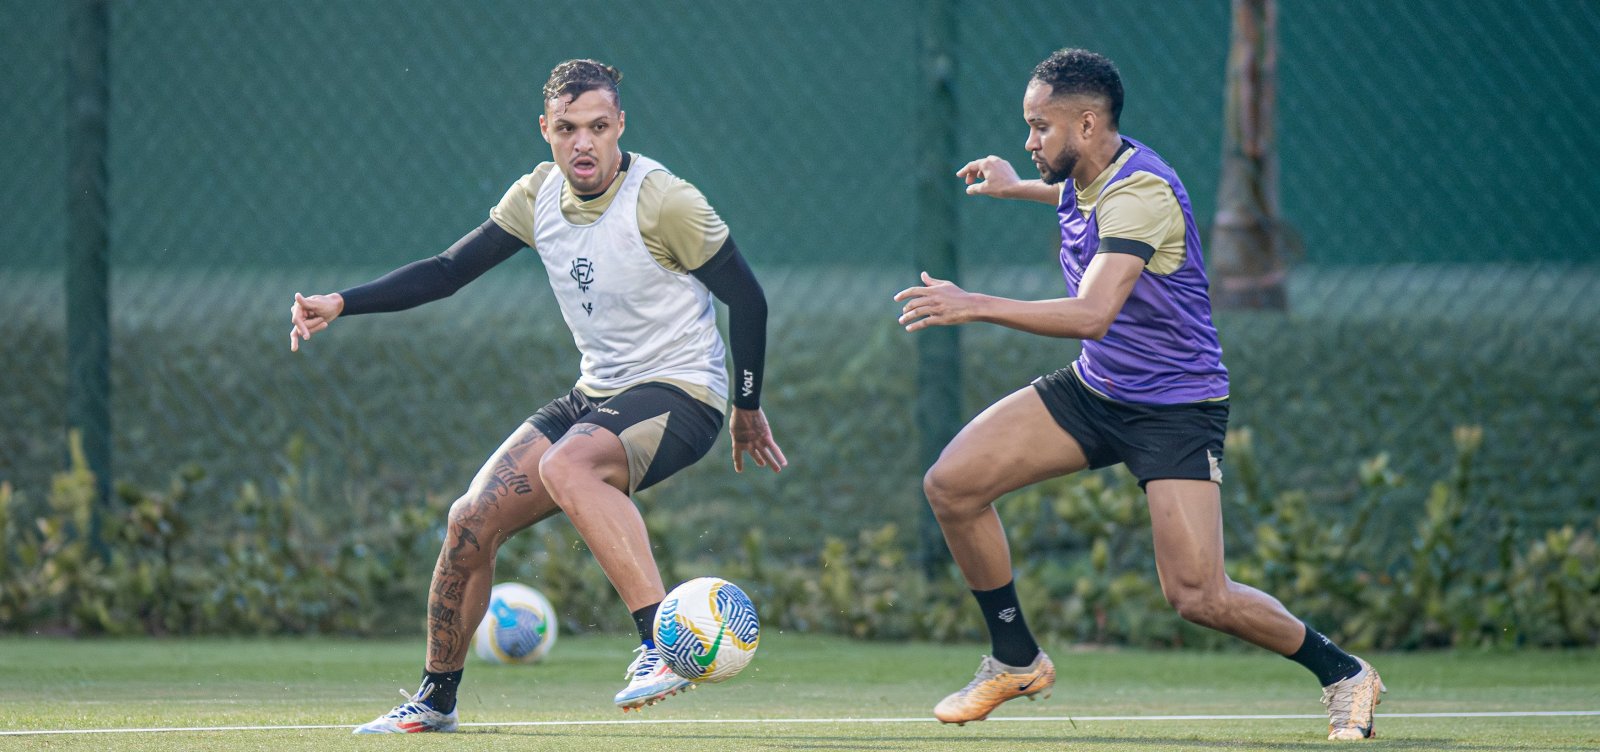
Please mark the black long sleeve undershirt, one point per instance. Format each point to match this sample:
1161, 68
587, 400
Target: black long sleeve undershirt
729, 278
434, 278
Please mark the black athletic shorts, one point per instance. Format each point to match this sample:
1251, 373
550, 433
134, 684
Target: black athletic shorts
663, 429
1157, 442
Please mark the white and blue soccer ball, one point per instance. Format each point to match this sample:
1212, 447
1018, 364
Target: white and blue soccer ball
520, 626
707, 630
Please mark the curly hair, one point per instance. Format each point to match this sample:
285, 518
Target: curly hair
574, 77
1075, 71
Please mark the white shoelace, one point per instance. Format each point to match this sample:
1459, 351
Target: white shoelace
413, 703
988, 669
644, 665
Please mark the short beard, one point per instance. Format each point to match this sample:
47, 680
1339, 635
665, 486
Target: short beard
595, 184
586, 190
1052, 173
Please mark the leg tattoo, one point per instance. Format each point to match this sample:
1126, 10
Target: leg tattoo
465, 570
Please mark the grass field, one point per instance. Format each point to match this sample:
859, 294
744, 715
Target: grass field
803, 692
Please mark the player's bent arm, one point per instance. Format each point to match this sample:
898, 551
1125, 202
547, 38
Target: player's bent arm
1036, 190
409, 286
993, 176
436, 277
730, 279
1106, 286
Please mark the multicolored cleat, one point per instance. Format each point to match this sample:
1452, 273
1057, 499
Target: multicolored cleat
649, 681
995, 683
411, 717
1350, 703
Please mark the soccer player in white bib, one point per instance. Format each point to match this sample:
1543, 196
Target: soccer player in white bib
635, 256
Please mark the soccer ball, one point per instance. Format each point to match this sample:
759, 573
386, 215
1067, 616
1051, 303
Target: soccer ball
707, 630
519, 628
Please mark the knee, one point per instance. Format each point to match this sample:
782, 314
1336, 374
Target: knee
1196, 604
558, 472
950, 499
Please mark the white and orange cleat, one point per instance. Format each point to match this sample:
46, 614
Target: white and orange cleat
995, 683
411, 717
1350, 703
649, 681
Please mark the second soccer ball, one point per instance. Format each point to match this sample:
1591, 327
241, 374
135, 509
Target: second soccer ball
519, 628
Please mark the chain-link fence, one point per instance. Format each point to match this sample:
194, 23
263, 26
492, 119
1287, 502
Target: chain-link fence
1439, 164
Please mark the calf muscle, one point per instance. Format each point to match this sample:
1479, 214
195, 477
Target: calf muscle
502, 500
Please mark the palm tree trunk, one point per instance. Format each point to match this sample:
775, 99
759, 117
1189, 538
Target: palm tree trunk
1247, 239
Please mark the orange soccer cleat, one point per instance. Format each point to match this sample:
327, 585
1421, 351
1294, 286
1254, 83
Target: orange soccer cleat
995, 683
1350, 703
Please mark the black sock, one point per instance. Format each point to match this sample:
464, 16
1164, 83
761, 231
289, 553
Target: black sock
1008, 631
645, 620
1324, 658
443, 696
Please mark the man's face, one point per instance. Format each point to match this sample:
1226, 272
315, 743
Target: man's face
1055, 132
583, 132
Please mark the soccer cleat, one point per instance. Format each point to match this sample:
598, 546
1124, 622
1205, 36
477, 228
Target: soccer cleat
649, 681
1350, 703
995, 683
411, 717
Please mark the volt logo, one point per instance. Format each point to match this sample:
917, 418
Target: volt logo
749, 386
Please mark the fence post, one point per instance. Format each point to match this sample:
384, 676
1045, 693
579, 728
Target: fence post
88, 244
939, 348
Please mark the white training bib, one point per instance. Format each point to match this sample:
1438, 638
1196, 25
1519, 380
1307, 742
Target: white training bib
632, 319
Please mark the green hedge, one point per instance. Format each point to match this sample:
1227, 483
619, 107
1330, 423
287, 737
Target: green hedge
394, 407
1081, 548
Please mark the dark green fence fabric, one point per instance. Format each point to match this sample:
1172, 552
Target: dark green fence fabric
1439, 167
294, 133
1441, 132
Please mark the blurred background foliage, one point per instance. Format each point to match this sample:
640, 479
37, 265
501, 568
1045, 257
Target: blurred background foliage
1464, 578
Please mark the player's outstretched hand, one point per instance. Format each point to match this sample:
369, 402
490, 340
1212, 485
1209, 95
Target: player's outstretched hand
312, 315
990, 176
752, 434
938, 303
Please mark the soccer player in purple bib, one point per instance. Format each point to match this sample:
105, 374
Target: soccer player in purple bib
1149, 390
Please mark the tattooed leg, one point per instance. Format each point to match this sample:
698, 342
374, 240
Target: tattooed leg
587, 472
504, 498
